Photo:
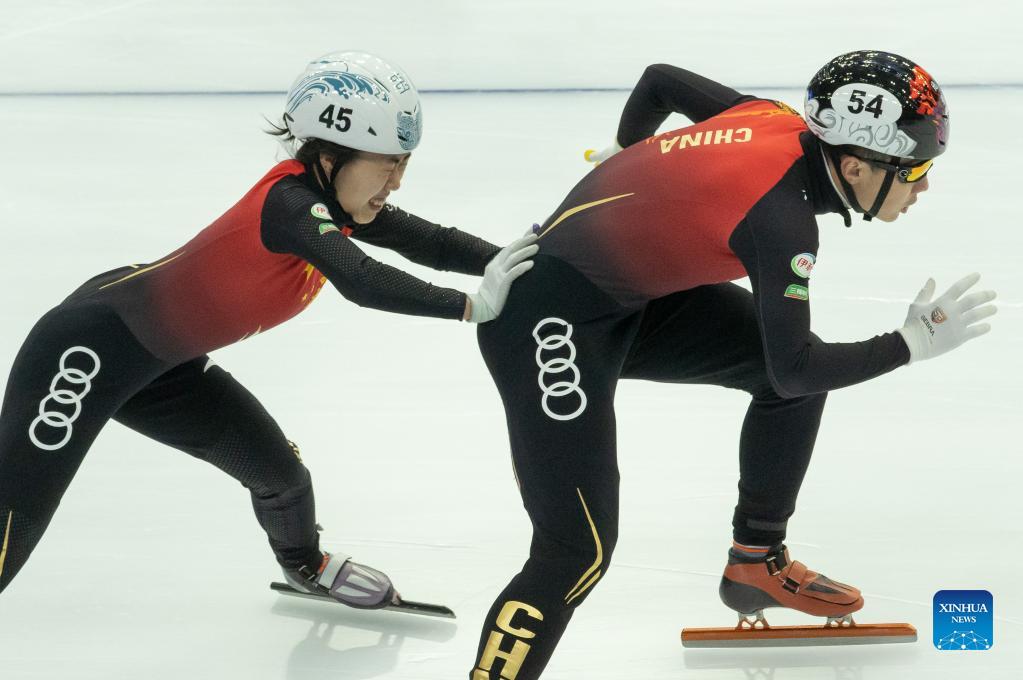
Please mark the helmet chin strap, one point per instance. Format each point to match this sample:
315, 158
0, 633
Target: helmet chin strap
882, 193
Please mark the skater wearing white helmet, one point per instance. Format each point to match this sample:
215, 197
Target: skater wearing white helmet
131, 344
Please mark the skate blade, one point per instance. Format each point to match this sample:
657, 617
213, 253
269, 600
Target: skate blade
800, 636
405, 606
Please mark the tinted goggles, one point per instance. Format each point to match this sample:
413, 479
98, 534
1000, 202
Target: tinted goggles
907, 174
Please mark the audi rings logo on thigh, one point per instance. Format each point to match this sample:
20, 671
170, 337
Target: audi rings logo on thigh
553, 334
51, 423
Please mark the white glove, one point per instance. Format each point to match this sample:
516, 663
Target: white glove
598, 157
933, 328
509, 264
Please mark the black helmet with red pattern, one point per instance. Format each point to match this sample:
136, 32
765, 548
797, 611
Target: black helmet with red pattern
878, 101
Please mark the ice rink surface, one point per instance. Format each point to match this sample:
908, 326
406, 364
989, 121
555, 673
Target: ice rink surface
155, 568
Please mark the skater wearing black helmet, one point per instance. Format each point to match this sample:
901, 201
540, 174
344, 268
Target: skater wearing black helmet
634, 280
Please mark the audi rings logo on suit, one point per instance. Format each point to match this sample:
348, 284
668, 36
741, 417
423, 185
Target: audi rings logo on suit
559, 336
77, 384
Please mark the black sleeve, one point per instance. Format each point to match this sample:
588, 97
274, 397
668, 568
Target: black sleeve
289, 226
665, 89
777, 243
426, 243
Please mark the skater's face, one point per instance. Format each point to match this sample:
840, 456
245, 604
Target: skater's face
866, 180
364, 183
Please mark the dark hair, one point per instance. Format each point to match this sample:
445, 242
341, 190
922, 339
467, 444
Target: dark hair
866, 154
309, 152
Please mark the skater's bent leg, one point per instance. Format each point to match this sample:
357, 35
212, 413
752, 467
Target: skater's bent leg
575, 532
201, 409
710, 335
78, 365
775, 447
569, 487
555, 356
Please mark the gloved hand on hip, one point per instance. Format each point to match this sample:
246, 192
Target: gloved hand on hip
509, 264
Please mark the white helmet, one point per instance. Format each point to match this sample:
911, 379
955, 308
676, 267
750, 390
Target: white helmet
356, 100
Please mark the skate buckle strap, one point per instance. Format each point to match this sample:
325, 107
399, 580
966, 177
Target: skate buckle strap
307, 574
331, 570
776, 563
794, 579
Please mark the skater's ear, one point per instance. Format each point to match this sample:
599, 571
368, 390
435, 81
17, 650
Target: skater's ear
855, 170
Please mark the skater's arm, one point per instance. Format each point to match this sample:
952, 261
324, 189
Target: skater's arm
776, 243
665, 89
288, 226
426, 243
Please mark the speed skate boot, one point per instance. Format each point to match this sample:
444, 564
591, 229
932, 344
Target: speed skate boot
758, 578
752, 584
355, 585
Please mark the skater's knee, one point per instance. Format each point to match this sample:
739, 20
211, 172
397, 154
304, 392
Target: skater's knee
573, 571
766, 393
281, 487
586, 584
272, 470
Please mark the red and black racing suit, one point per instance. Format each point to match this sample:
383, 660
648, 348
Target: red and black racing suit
633, 280
131, 345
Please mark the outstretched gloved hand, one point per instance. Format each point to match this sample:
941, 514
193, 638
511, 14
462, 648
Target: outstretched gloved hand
939, 326
509, 264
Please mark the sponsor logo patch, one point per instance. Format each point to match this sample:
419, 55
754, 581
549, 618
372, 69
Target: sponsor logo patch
802, 264
328, 227
938, 315
52, 429
797, 292
320, 212
551, 335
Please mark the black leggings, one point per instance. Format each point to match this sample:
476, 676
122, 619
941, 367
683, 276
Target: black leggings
80, 367
556, 354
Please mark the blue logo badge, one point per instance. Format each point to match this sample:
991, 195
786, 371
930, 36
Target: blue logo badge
410, 128
963, 620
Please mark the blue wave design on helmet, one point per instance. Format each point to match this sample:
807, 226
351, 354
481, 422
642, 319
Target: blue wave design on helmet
340, 82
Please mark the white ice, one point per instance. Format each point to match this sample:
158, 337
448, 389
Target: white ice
155, 568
